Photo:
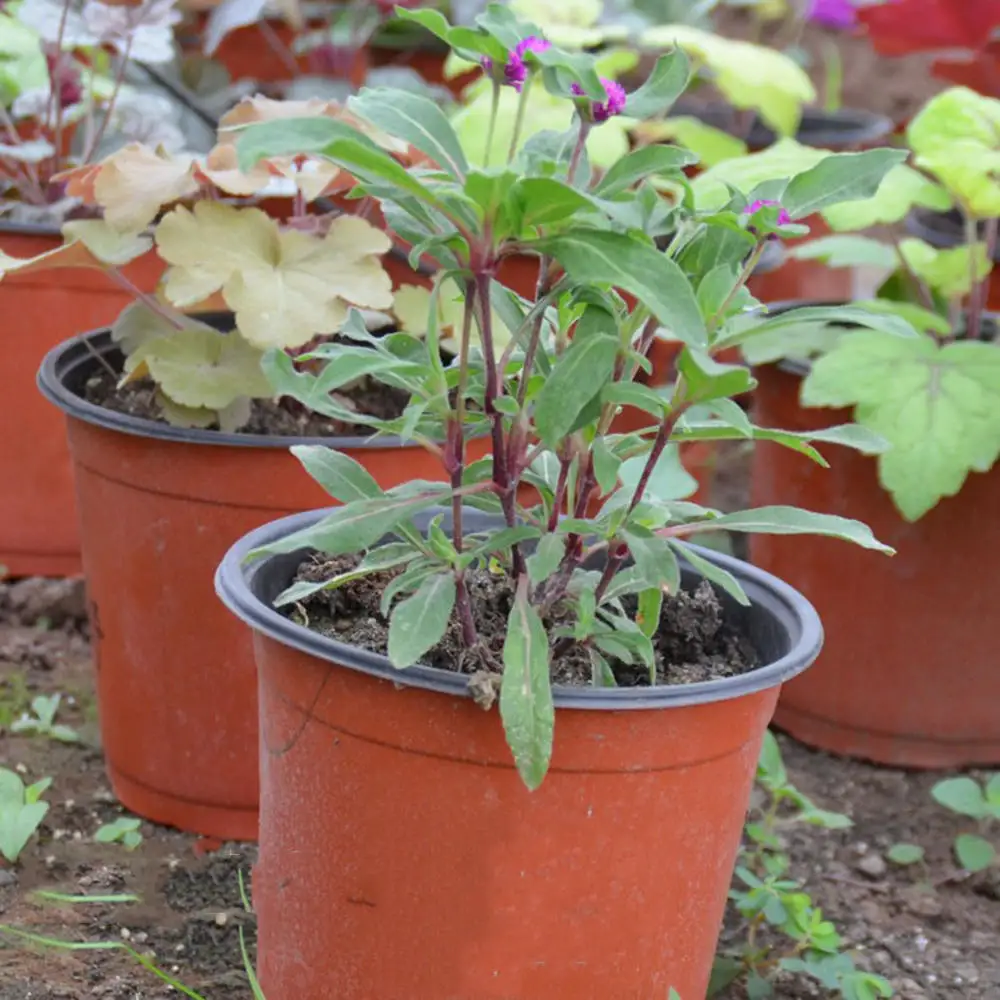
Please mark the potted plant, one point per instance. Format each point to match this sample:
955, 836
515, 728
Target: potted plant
180, 446
895, 635
64, 99
401, 612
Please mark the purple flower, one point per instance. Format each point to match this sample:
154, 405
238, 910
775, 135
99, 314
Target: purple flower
784, 218
515, 70
838, 14
601, 111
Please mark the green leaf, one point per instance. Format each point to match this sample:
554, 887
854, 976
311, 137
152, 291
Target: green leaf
714, 574
648, 616
864, 986
418, 622
663, 86
837, 178
343, 477
17, 826
902, 190
993, 793
937, 405
385, 557
654, 559
415, 119
669, 479
792, 521
354, 526
847, 251
905, 854
947, 271
975, 854
956, 137
542, 201
707, 379
960, 795
544, 561
591, 255
647, 161
770, 766
526, 705
575, 380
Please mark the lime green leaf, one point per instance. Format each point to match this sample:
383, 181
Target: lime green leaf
975, 854
418, 622
847, 251
656, 280
750, 76
902, 190
960, 795
956, 137
837, 178
526, 705
938, 406
946, 271
905, 854
792, 521
107, 244
418, 120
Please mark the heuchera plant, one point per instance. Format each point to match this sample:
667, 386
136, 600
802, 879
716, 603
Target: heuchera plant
67, 95
588, 565
935, 398
286, 283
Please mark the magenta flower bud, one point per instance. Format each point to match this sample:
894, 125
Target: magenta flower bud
784, 218
515, 70
601, 111
839, 14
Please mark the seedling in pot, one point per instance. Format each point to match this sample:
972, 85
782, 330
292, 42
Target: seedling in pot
42, 721
584, 573
897, 385
124, 831
22, 811
976, 851
786, 933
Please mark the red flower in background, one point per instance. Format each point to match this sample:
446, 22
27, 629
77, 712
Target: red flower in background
899, 27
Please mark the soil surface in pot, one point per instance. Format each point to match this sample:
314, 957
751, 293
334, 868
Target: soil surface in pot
932, 932
281, 418
693, 643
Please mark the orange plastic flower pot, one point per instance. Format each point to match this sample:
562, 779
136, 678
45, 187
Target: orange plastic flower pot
909, 674
38, 529
159, 506
401, 857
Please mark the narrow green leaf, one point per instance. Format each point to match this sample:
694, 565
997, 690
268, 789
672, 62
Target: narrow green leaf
837, 178
574, 381
770, 766
647, 161
648, 616
545, 560
526, 705
592, 255
975, 854
663, 86
418, 622
792, 521
707, 379
343, 477
415, 119
714, 574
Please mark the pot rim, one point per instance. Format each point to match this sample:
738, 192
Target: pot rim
30, 229
921, 221
69, 356
787, 609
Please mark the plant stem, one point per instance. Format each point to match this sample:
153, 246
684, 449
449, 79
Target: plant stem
581, 144
980, 290
749, 266
541, 292
278, 47
55, 73
522, 107
109, 110
149, 301
919, 286
494, 112
456, 429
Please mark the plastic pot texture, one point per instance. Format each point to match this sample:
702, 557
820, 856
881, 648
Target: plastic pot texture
159, 506
945, 231
908, 676
38, 529
401, 857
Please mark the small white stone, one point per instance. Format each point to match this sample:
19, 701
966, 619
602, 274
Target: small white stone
125, 933
221, 919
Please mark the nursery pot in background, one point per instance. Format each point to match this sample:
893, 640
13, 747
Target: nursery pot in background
908, 676
38, 529
401, 856
159, 506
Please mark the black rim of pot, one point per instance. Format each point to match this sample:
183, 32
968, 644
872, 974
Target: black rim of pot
942, 230
780, 615
66, 367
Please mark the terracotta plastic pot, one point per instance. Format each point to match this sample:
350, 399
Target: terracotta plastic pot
428, 61
401, 857
38, 531
946, 230
159, 506
909, 673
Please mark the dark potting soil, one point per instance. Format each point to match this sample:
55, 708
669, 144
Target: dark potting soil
281, 418
693, 643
